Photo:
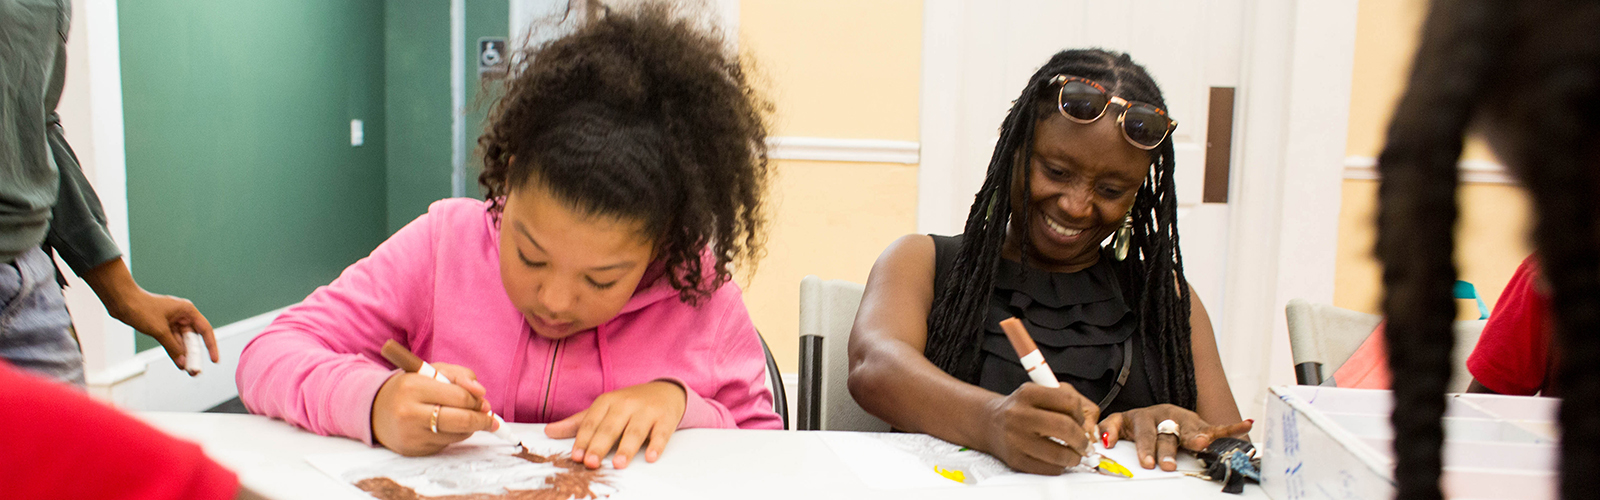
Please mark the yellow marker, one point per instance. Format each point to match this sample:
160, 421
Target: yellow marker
1112, 468
952, 474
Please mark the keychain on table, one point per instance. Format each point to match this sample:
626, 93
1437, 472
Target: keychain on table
1230, 461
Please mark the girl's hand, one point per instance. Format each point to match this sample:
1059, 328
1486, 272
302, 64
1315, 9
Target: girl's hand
403, 411
624, 418
1027, 419
1140, 425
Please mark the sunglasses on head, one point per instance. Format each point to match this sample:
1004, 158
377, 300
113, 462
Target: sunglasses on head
1084, 101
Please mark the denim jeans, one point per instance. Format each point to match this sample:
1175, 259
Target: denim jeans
35, 329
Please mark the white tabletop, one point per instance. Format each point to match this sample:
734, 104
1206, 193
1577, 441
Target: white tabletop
269, 456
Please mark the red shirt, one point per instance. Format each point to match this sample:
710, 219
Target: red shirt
55, 442
1513, 355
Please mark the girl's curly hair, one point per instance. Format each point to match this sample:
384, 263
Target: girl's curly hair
640, 115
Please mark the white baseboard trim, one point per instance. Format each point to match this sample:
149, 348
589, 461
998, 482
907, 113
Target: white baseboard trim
150, 382
117, 373
1472, 171
851, 150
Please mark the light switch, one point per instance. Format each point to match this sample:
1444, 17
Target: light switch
358, 134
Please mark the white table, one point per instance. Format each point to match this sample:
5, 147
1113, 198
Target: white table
269, 456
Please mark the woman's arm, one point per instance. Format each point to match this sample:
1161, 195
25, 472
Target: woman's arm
892, 379
889, 375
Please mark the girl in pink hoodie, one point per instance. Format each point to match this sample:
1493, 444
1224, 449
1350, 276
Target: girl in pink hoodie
624, 169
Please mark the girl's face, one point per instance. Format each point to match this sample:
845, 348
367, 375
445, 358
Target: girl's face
1083, 180
567, 271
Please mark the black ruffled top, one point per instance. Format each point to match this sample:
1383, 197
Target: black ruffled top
1079, 321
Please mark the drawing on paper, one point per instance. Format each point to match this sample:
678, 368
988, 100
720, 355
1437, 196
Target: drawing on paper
481, 473
908, 461
947, 458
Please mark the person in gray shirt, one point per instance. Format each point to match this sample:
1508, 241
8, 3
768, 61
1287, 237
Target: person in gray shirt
47, 204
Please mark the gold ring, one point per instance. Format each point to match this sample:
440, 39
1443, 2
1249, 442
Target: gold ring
433, 423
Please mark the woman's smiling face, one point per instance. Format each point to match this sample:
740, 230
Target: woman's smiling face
1082, 180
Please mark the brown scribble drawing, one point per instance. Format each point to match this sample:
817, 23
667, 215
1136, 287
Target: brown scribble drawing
574, 484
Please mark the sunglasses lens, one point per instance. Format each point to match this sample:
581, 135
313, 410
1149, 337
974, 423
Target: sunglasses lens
1082, 101
1145, 126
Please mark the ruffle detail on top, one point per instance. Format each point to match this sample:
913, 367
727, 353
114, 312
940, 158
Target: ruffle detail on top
1078, 320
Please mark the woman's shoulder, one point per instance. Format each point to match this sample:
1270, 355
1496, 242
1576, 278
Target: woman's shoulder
912, 253
913, 247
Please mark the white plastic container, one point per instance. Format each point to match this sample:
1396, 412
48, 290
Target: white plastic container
1329, 443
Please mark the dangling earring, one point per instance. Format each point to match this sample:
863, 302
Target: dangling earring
1119, 247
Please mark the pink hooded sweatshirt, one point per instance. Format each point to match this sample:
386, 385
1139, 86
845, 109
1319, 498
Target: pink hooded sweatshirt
435, 287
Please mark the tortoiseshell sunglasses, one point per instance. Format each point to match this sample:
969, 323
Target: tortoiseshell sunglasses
1083, 100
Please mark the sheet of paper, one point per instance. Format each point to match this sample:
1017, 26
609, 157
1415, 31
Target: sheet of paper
485, 465
906, 461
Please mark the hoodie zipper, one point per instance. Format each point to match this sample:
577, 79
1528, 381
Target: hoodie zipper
549, 381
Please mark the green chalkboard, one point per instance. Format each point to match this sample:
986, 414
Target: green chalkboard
417, 81
244, 191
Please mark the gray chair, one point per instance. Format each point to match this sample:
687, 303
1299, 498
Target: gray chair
780, 400
1322, 337
827, 311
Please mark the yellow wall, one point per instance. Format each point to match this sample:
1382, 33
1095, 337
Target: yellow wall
838, 68
1489, 243
1494, 217
833, 69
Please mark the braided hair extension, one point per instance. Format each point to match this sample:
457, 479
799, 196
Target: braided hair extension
640, 114
1563, 189
1152, 275
1531, 71
1546, 100
1416, 223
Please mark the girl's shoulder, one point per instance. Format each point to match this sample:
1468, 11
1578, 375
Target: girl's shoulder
460, 213
450, 229
660, 296
455, 220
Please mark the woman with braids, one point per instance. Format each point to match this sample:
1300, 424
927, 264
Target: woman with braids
1527, 75
624, 170
1083, 154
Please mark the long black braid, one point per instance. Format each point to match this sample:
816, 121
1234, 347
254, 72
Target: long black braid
1151, 277
1532, 70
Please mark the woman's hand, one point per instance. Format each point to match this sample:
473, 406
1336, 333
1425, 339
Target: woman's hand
162, 317
403, 412
1140, 426
165, 318
624, 419
1026, 420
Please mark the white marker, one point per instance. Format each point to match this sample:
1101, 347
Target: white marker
195, 345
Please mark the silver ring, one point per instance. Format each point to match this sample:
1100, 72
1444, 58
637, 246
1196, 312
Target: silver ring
433, 423
1167, 427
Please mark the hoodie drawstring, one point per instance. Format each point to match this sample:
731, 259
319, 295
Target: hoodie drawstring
605, 363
